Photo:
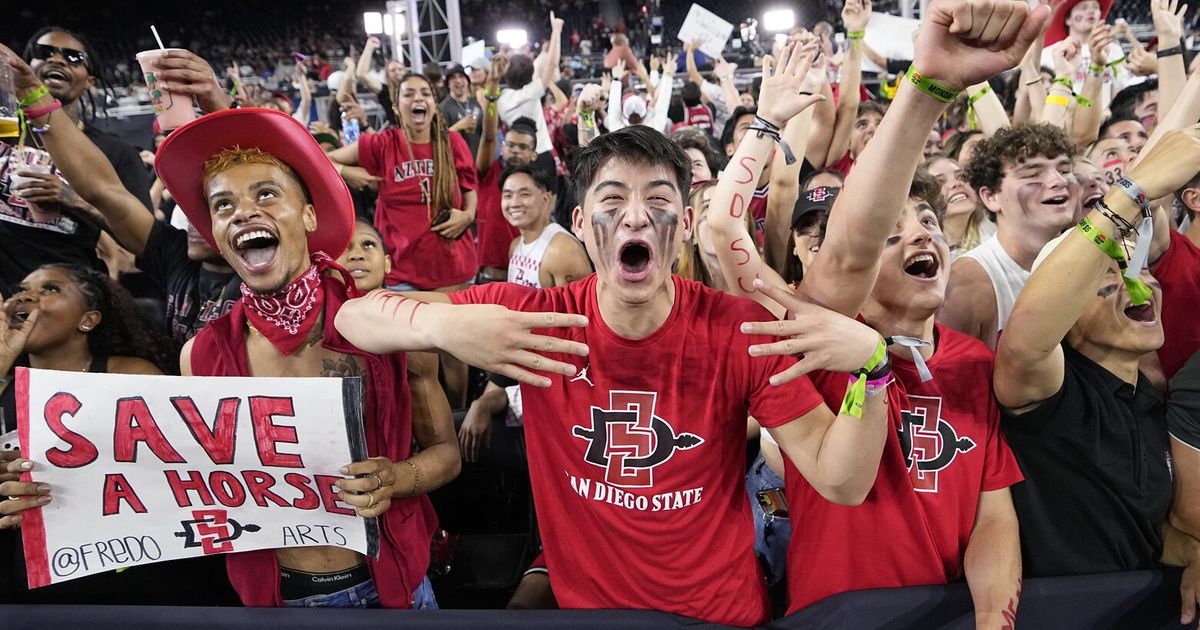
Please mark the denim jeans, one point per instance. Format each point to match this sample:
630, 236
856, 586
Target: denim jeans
364, 596
361, 595
771, 533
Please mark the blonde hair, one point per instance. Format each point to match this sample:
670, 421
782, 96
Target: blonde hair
690, 264
237, 156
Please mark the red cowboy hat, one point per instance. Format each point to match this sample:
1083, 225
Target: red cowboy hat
1058, 24
180, 164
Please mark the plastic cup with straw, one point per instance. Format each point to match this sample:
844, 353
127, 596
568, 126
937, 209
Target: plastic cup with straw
173, 109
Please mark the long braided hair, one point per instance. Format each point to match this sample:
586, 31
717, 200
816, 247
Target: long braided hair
121, 331
445, 193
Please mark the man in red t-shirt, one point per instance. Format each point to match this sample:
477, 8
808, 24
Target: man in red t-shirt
637, 460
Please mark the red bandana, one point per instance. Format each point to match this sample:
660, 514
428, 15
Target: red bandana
285, 318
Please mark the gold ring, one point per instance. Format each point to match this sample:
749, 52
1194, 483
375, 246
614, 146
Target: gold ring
373, 500
377, 479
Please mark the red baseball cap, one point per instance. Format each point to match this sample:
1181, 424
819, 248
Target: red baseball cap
180, 163
1058, 24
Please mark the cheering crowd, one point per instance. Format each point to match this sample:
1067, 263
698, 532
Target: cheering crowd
952, 319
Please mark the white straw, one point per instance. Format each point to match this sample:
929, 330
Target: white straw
157, 38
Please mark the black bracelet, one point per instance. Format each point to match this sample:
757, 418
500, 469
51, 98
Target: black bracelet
1170, 52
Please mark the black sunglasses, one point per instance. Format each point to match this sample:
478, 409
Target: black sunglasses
72, 56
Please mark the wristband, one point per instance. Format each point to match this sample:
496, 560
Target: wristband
588, 119
1055, 99
914, 346
1145, 230
32, 97
766, 128
1134, 191
30, 114
856, 390
1170, 52
1063, 81
938, 91
855, 35
1139, 293
340, 167
1114, 64
971, 105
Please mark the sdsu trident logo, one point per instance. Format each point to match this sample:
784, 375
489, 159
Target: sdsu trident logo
628, 440
929, 443
212, 530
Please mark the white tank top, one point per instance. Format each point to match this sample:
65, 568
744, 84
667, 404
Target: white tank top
525, 264
1006, 275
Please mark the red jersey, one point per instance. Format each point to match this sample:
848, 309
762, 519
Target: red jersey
1179, 273
638, 462
758, 210
494, 232
419, 256
914, 526
699, 117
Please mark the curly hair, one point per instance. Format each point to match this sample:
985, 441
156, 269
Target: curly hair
236, 156
121, 331
1011, 146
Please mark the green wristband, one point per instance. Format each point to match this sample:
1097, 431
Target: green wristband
1139, 293
31, 98
856, 392
855, 34
938, 91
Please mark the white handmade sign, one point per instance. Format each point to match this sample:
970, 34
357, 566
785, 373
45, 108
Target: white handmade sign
146, 469
706, 27
890, 36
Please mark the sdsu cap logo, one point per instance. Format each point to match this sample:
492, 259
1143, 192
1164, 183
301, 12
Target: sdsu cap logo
928, 442
628, 440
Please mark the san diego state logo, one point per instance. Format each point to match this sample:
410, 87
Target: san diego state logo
928, 442
628, 440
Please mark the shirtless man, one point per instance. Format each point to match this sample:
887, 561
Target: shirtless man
263, 214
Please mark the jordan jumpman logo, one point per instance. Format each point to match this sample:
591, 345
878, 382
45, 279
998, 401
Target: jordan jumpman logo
583, 376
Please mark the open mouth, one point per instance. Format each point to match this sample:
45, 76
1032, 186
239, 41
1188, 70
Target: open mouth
257, 248
956, 197
419, 113
1089, 204
1057, 201
1143, 313
634, 260
57, 76
18, 316
359, 272
923, 266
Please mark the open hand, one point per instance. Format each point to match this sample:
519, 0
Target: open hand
474, 432
825, 339
498, 340
371, 486
670, 64
1168, 20
964, 42
618, 70
780, 98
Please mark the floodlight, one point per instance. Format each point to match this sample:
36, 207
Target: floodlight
779, 20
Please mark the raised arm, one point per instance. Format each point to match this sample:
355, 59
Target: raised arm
484, 335
957, 46
363, 69
988, 111
1085, 129
662, 95
589, 100
780, 100
303, 112
785, 178
693, 73
1029, 359
613, 119
1067, 59
82, 163
855, 15
485, 155
1168, 18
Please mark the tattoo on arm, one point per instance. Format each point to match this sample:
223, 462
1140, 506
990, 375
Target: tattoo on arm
1010, 611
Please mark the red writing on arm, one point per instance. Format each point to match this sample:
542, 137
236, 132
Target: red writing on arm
743, 287
737, 207
748, 168
733, 247
1010, 611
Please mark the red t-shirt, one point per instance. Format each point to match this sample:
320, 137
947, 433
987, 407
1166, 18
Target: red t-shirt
494, 232
1179, 273
419, 256
638, 462
843, 165
914, 526
758, 210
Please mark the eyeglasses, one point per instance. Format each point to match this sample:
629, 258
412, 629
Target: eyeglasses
70, 55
